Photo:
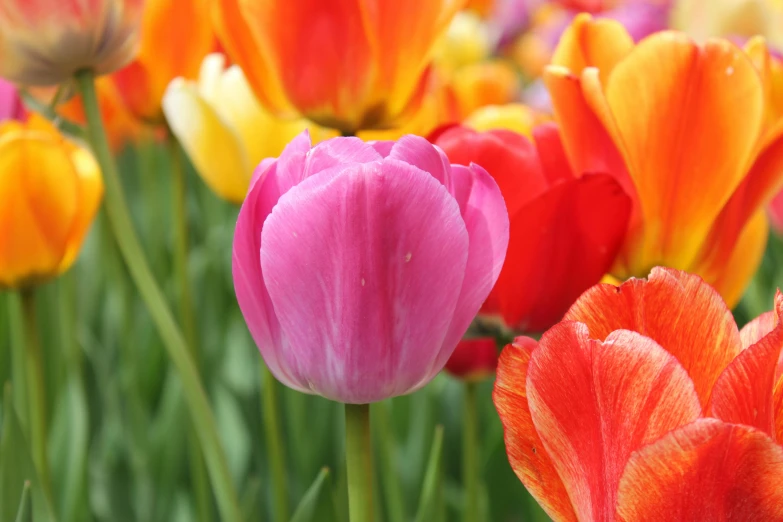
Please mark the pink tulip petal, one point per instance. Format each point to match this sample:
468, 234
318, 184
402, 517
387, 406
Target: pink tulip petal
265, 191
364, 269
419, 152
338, 152
486, 219
744, 392
383, 148
705, 471
595, 403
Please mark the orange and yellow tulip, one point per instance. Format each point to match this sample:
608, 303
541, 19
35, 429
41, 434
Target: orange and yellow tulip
661, 116
44, 42
608, 416
50, 190
346, 64
176, 36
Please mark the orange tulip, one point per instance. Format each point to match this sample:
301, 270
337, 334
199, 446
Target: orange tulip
44, 42
50, 190
604, 418
661, 116
347, 64
176, 36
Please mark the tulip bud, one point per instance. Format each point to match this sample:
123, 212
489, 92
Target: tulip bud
50, 190
359, 266
474, 359
45, 42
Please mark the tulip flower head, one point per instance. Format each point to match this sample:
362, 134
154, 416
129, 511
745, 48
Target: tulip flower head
347, 64
359, 266
11, 105
474, 359
652, 115
45, 42
218, 121
608, 416
50, 190
566, 227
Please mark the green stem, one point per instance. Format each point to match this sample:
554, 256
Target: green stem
128, 241
197, 469
36, 388
18, 359
274, 443
395, 501
470, 472
358, 457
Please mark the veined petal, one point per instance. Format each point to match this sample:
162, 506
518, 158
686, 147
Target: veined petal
708, 470
600, 43
594, 403
744, 393
384, 310
526, 453
677, 310
679, 136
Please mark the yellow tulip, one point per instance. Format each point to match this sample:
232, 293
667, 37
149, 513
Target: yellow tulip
224, 129
50, 190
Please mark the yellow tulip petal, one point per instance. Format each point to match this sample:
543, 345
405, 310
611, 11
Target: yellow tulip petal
214, 148
513, 116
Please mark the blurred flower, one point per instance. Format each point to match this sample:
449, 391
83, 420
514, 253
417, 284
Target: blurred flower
224, 129
661, 117
11, 106
347, 64
474, 359
492, 82
176, 36
467, 40
50, 190
513, 116
374, 259
603, 416
704, 19
565, 227
45, 42
121, 126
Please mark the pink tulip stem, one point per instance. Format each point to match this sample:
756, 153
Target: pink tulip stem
358, 456
126, 237
36, 388
470, 451
275, 449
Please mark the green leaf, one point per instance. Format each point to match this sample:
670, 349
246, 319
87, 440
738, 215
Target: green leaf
431, 491
306, 510
17, 468
25, 513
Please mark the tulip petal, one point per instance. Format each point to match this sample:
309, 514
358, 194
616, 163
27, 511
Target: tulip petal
758, 328
679, 136
418, 152
744, 393
595, 403
486, 220
339, 151
600, 43
214, 148
251, 292
708, 470
677, 310
376, 256
474, 359
526, 452
562, 242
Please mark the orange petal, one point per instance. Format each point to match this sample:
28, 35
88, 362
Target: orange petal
708, 470
759, 327
732, 276
744, 392
593, 404
526, 452
671, 108
598, 43
677, 310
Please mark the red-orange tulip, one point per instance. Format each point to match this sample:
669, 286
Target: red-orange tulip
566, 227
176, 35
661, 116
347, 64
604, 416
474, 359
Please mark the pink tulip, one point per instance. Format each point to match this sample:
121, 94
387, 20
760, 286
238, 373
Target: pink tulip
359, 266
44, 42
11, 106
